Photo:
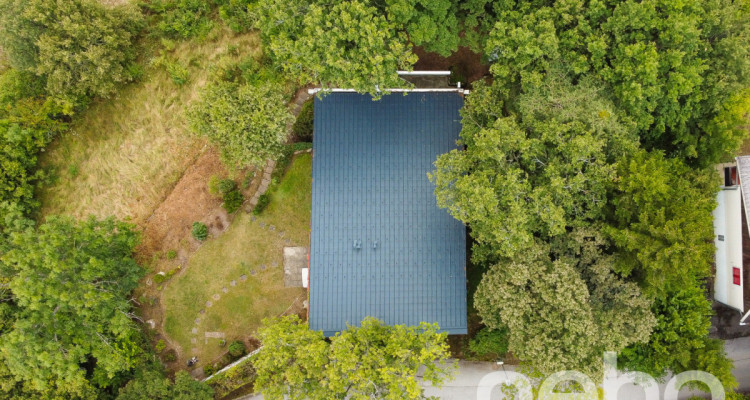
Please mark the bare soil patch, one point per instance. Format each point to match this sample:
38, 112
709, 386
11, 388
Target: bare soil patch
168, 228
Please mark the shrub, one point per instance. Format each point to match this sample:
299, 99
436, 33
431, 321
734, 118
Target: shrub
226, 185
236, 15
170, 356
183, 18
237, 349
171, 254
179, 74
248, 180
233, 201
199, 231
161, 345
263, 202
213, 185
303, 126
159, 278
248, 123
490, 342
209, 370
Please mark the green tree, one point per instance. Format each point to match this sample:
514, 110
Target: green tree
151, 384
26, 127
429, 23
680, 340
374, 360
662, 222
563, 306
536, 174
248, 123
73, 326
81, 48
670, 65
292, 361
346, 44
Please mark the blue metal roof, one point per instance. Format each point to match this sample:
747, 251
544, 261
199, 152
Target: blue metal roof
380, 246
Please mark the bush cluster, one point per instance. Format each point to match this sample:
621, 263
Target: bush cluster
303, 126
237, 349
263, 201
490, 343
182, 19
199, 231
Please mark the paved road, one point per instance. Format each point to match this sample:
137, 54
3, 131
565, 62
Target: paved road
465, 384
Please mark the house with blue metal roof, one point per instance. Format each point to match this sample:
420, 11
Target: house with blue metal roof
379, 244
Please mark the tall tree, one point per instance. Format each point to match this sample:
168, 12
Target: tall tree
345, 44
670, 65
70, 283
662, 222
81, 47
680, 339
563, 306
373, 360
151, 384
534, 174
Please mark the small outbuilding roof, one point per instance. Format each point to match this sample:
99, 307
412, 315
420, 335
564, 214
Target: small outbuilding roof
380, 245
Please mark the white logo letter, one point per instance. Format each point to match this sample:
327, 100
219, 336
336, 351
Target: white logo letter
612, 382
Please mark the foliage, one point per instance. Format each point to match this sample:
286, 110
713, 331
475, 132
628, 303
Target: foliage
199, 231
179, 74
152, 385
263, 201
248, 123
159, 278
429, 23
662, 221
536, 175
303, 125
225, 186
160, 346
238, 376
213, 185
170, 356
236, 15
88, 55
679, 341
171, 254
490, 342
299, 363
16, 85
344, 44
671, 66
237, 349
70, 282
233, 201
182, 18
26, 127
563, 306
477, 20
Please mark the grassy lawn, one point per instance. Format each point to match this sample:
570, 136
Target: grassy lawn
243, 248
123, 154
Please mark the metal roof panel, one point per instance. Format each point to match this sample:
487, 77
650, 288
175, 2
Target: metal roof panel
380, 246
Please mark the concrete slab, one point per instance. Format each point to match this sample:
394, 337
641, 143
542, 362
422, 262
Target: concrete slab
295, 258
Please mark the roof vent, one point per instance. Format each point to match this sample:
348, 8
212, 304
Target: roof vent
375, 244
357, 244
